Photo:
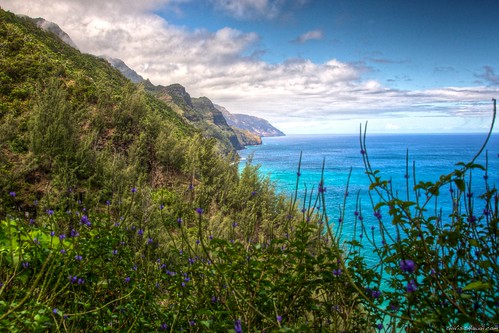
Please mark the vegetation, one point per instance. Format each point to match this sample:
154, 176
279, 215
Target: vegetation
117, 215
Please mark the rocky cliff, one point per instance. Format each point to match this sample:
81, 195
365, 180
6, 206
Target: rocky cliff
200, 112
252, 124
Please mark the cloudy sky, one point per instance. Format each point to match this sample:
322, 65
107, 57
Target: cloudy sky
307, 66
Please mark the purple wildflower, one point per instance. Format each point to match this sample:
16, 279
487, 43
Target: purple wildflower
127, 279
199, 210
279, 318
12, 194
375, 293
140, 232
163, 327
78, 258
25, 264
471, 219
84, 219
62, 236
50, 212
407, 266
411, 286
337, 272
62, 251
134, 189
237, 326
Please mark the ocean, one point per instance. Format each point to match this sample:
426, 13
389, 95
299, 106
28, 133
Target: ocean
433, 155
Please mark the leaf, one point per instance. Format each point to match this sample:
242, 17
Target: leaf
460, 184
477, 285
473, 242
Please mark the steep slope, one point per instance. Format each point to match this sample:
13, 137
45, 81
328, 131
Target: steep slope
56, 30
242, 130
70, 120
124, 69
252, 124
247, 129
200, 112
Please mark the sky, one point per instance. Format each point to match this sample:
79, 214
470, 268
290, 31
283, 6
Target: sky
307, 66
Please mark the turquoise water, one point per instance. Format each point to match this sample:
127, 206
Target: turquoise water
434, 155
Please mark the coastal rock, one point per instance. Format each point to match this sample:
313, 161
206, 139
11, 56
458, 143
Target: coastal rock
255, 125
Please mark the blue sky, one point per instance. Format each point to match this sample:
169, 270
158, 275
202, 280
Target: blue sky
307, 66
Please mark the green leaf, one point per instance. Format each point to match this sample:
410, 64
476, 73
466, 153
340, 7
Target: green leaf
477, 285
460, 184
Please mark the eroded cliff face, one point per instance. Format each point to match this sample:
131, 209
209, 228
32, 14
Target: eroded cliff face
201, 113
246, 138
255, 125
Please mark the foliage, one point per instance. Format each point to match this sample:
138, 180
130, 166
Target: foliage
437, 264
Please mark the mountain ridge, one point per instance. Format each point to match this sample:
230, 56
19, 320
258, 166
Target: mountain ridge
255, 125
234, 130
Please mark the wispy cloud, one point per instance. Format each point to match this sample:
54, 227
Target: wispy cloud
255, 9
386, 61
309, 35
444, 69
489, 76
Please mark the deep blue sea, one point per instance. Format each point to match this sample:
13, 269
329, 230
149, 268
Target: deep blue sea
434, 155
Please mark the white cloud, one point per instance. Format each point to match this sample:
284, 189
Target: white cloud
255, 9
309, 35
297, 95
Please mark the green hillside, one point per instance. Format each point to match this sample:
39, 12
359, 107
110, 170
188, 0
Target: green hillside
64, 116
